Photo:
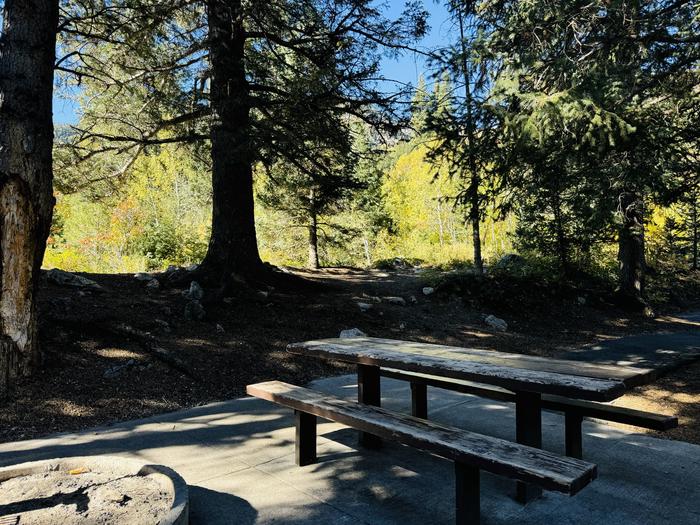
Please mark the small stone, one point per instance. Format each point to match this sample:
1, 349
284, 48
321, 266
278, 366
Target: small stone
496, 323
153, 284
228, 300
192, 267
194, 311
364, 307
402, 326
581, 300
142, 276
263, 294
413, 299
220, 329
399, 301
428, 290
351, 332
164, 325
196, 292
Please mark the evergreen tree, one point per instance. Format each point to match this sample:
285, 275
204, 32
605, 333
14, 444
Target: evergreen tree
262, 80
603, 82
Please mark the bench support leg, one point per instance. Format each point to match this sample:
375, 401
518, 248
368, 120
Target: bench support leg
528, 431
419, 400
369, 393
574, 437
306, 438
467, 494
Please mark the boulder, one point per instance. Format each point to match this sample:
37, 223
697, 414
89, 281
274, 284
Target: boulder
352, 332
428, 290
496, 323
195, 293
62, 278
194, 311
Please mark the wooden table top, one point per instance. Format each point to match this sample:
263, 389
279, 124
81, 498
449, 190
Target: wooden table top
515, 372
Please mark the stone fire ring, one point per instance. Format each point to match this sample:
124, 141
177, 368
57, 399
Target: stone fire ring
92, 489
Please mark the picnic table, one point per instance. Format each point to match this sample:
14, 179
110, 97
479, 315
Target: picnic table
528, 377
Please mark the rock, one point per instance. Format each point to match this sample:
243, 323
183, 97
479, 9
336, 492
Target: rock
649, 312
228, 300
413, 299
364, 307
220, 329
62, 278
399, 301
510, 262
263, 294
171, 269
195, 293
163, 324
581, 300
153, 284
428, 290
194, 311
143, 276
372, 298
352, 332
402, 326
496, 323
192, 267
117, 370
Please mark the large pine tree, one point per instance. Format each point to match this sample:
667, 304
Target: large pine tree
27, 55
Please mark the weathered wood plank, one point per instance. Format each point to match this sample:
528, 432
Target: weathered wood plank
630, 376
495, 455
515, 379
617, 414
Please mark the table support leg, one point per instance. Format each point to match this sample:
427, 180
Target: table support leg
419, 400
528, 431
305, 438
369, 393
574, 437
467, 496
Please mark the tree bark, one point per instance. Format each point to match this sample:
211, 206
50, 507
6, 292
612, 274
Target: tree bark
475, 179
631, 249
27, 57
695, 231
314, 262
233, 247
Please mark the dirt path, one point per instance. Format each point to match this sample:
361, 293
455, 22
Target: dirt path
103, 361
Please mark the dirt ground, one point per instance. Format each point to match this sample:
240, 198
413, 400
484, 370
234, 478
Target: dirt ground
128, 351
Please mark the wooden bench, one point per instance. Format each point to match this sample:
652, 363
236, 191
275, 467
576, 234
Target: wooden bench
469, 451
574, 410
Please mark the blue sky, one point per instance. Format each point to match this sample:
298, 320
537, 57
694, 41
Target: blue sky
406, 69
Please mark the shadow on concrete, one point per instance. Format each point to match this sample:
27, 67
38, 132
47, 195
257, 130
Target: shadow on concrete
210, 507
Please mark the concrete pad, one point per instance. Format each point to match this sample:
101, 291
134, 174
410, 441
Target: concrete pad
238, 458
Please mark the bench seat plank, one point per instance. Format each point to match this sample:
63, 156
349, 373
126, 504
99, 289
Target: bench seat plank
495, 455
617, 414
504, 375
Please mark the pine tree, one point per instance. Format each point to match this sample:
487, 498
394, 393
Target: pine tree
27, 55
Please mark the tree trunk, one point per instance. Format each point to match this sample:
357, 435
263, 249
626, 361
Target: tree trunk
27, 56
631, 250
313, 263
695, 232
562, 244
475, 179
233, 247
